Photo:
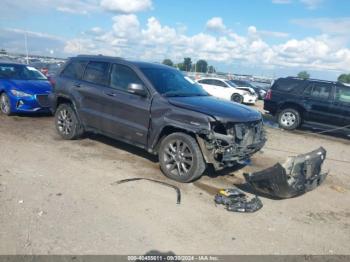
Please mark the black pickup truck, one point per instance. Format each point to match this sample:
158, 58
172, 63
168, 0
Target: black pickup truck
156, 108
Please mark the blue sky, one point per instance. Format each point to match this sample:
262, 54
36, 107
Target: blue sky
269, 37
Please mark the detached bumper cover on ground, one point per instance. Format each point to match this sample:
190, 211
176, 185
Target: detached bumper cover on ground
296, 176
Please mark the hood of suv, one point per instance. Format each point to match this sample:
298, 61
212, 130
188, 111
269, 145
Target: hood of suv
222, 110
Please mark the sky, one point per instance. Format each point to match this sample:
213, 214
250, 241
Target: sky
262, 37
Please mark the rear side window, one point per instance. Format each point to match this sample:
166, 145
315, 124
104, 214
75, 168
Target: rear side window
97, 73
288, 85
343, 94
74, 69
122, 76
320, 91
205, 81
219, 83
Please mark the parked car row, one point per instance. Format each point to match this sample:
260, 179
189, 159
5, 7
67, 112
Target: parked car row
228, 90
151, 106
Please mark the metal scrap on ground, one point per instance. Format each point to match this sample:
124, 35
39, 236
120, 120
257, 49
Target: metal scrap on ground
178, 192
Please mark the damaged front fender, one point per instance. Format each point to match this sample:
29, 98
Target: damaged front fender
295, 177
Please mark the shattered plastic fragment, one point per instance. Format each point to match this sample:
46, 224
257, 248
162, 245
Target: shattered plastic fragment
236, 200
295, 177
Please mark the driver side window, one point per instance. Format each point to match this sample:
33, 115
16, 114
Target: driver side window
122, 76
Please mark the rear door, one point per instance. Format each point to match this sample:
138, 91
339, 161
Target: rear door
208, 86
318, 101
126, 115
220, 88
91, 93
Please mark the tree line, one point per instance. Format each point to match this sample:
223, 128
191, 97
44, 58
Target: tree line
343, 78
201, 66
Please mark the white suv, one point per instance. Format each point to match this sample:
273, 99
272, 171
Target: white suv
225, 89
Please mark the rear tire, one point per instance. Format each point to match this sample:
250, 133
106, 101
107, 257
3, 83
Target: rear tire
237, 98
5, 104
289, 119
180, 158
67, 123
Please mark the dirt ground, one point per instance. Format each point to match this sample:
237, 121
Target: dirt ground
58, 197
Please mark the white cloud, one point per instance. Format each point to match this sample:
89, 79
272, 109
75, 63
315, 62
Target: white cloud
215, 24
254, 32
126, 6
281, 1
12, 39
312, 4
66, 9
154, 42
330, 26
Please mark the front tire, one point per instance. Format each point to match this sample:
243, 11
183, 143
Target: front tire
289, 119
5, 104
67, 123
237, 98
181, 158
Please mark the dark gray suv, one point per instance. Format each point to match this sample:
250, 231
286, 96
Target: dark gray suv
156, 108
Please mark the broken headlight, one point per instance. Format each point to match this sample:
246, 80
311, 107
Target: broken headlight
231, 131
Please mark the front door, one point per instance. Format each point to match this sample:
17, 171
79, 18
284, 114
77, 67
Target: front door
319, 100
342, 105
126, 115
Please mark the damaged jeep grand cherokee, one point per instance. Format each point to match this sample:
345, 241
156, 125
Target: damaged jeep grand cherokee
156, 108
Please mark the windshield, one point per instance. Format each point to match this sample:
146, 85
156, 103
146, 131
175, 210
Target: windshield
170, 82
231, 83
20, 72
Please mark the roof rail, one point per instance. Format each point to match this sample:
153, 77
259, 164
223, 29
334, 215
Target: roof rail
99, 56
312, 79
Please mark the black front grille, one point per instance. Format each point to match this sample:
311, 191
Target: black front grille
43, 100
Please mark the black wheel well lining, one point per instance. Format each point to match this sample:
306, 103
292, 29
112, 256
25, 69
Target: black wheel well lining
292, 105
168, 130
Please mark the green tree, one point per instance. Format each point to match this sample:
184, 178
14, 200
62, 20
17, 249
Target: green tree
181, 66
344, 78
168, 62
201, 66
211, 69
187, 64
304, 75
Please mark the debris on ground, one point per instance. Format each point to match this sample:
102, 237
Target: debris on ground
178, 192
298, 175
236, 200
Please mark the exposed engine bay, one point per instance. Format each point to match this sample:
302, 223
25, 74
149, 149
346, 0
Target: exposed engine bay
229, 144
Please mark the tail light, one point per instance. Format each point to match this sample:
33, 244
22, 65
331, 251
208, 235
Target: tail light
268, 95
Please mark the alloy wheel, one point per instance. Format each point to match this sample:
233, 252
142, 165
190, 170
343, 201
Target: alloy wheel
5, 104
178, 157
65, 122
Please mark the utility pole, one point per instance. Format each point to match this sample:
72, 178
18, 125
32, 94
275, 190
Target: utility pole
26, 46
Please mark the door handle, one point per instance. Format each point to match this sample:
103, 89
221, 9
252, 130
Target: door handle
77, 85
111, 94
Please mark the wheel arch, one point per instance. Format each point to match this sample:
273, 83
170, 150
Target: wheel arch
294, 106
168, 130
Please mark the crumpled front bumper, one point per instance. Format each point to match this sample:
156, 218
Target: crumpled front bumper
295, 177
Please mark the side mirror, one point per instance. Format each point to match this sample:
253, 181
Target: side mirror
137, 89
